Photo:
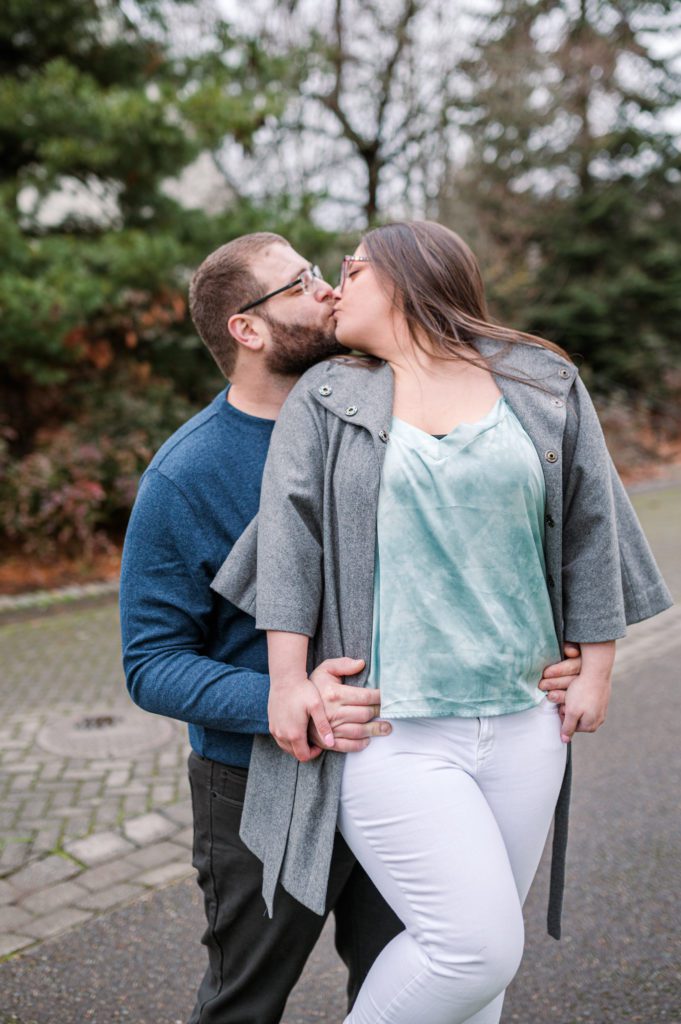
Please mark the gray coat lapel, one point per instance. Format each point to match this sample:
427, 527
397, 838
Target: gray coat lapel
543, 415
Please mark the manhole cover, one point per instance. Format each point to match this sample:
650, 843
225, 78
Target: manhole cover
103, 734
98, 721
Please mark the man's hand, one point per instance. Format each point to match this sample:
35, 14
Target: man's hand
557, 677
350, 710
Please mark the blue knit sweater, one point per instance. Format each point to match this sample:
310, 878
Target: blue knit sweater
187, 652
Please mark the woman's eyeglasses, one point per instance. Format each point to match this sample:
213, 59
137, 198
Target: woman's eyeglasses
345, 267
308, 281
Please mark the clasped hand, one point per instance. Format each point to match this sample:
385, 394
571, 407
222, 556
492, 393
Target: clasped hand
308, 715
319, 712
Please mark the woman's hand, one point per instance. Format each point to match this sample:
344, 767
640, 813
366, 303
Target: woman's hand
294, 699
292, 704
587, 698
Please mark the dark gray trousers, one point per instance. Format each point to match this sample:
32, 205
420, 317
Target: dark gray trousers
254, 962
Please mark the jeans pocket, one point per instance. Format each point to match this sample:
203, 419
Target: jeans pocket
229, 785
224, 799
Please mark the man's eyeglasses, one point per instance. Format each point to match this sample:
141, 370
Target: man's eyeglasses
308, 281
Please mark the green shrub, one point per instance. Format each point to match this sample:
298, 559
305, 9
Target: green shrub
73, 493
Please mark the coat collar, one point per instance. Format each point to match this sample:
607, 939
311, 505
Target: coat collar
360, 391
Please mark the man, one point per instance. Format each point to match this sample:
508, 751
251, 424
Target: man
265, 316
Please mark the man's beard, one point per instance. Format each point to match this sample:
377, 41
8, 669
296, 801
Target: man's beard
297, 347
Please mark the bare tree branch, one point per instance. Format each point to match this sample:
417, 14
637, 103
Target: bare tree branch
411, 8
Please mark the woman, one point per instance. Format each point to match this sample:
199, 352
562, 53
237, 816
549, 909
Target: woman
450, 513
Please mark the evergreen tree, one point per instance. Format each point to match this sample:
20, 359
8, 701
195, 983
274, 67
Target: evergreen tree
101, 104
571, 181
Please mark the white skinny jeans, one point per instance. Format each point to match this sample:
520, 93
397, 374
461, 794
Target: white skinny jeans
449, 817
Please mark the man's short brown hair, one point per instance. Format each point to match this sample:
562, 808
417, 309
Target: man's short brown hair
223, 284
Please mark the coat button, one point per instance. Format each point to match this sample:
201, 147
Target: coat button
383, 434
550, 456
351, 410
557, 402
563, 373
551, 582
550, 520
325, 390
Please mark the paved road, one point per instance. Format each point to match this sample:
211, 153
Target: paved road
94, 791
76, 756
619, 960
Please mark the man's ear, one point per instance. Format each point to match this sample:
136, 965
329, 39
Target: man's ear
247, 331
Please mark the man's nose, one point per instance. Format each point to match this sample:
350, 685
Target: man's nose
323, 290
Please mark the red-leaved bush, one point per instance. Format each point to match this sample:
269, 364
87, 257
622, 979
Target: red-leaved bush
71, 496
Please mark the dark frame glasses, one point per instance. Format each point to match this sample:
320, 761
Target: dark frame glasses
307, 280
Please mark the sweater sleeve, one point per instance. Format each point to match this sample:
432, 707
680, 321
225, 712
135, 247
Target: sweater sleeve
274, 571
610, 578
167, 609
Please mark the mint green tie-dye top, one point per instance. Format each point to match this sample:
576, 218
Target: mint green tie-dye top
462, 617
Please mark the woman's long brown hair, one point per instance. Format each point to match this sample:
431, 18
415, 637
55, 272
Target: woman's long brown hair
437, 286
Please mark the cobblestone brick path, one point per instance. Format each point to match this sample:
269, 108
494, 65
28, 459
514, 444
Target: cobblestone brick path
93, 791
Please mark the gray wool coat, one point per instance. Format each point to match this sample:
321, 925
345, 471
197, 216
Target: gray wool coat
306, 565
